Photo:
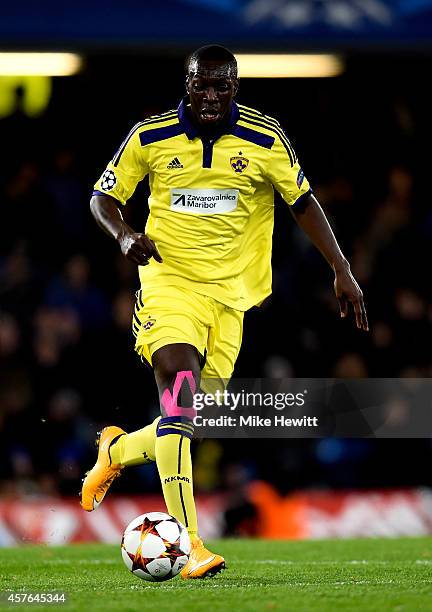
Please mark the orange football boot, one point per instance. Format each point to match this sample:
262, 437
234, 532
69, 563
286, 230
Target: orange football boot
99, 479
202, 563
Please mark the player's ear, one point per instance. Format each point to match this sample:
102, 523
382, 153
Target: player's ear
187, 84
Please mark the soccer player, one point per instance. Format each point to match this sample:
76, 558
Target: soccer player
204, 259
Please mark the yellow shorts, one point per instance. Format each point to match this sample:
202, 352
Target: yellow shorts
172, 315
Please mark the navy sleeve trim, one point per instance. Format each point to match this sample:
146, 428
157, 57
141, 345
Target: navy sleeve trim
99, 193
301, 203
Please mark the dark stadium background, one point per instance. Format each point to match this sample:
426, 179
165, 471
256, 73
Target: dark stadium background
67, 365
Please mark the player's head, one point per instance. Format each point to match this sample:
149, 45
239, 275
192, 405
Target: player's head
211, 82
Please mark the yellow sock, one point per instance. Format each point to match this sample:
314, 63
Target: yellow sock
135, 448
173, 459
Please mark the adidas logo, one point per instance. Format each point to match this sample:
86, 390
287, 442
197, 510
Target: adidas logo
175, 163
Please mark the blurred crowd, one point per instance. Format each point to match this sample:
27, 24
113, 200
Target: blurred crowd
67, 365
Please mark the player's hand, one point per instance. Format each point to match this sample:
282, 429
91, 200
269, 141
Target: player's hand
138, 248
348, 290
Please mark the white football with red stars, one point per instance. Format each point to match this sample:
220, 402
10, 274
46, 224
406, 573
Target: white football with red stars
155, 546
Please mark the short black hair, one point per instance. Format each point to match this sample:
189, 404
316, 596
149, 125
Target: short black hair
215, 53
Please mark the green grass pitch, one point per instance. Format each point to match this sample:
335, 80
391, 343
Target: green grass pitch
376, 574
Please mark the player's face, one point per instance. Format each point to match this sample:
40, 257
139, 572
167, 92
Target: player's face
211, 93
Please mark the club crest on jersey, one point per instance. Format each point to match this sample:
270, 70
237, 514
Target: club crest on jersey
239, 164
148, 324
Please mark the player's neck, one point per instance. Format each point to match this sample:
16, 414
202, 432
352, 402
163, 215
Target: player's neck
208, 132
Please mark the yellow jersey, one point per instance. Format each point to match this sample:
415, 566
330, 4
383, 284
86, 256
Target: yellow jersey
211, 200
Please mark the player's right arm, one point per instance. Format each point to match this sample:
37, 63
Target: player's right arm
135, 246
115, 187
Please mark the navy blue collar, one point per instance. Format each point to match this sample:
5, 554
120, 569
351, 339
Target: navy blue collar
192, 131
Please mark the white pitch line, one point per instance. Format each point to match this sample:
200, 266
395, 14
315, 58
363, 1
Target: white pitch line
255, 585
350, 562
82, 561
253, 561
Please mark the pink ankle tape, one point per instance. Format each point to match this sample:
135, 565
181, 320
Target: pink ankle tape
169, 402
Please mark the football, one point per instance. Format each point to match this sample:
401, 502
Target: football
155, 546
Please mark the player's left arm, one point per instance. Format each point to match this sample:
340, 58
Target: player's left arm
287, 176
311, 218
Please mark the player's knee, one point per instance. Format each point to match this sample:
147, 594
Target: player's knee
177, 394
